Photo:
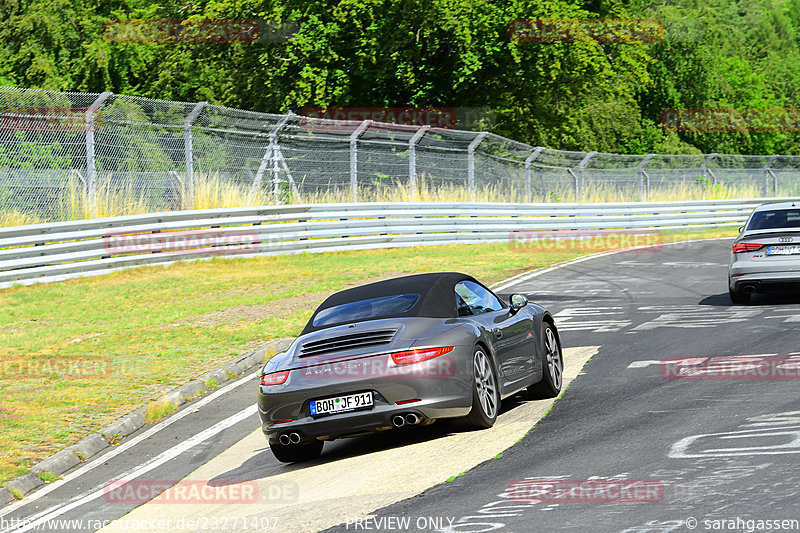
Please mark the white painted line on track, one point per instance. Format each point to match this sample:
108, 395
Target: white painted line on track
103, 459
525, 276
692, 359
144, 468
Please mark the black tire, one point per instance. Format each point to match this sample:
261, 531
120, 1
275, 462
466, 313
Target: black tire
297, 453
738, 297
552, 366
485, 391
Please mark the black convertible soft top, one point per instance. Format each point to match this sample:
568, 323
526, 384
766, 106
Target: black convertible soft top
436, 295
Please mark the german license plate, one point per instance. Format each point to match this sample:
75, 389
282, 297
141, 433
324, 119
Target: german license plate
784, 250
341, 404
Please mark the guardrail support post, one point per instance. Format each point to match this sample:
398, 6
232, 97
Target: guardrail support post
767, 172
528, 160
269, 155
354, 158
471, 163
582, 181
188, 155
91, 175
412, 160
644, 191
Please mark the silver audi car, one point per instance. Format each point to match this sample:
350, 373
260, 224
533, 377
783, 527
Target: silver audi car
766, 255
405, 352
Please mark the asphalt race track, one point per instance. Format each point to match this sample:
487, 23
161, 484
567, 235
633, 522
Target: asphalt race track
662, 430
716, 449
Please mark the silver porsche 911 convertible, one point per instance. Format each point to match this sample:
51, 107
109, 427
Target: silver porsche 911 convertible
404, 352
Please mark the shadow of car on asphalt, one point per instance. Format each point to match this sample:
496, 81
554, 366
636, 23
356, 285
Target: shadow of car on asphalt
760, 299
263, 464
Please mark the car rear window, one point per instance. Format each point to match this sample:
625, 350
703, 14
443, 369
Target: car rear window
779, 218
363, 309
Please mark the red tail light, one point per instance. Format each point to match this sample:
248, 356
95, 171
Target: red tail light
415, 356
276, 378
740, 247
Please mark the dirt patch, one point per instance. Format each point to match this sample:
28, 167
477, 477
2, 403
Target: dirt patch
283, 306
255, 313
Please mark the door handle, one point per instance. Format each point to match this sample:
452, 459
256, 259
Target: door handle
498, 333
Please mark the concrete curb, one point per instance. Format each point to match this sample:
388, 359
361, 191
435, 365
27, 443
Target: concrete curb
94, 443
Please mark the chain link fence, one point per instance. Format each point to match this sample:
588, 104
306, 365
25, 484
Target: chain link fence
76, 155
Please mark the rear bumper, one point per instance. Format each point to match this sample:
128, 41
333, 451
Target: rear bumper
765, 282
362, 422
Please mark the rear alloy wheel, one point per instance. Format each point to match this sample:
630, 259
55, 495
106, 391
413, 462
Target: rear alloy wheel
738, 297
552, 366
296, 453
485, 393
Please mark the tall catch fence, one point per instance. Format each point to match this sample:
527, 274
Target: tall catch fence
77, 155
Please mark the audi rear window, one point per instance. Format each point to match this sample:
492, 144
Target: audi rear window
365, 309
779, 218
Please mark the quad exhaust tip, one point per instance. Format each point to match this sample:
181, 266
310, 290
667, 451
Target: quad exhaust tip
284, 439
398, 421
412, 419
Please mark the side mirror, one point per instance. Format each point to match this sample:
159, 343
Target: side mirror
518, 301
741, 229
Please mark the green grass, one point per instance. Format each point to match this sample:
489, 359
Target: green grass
48, 477
158, 410
138, 333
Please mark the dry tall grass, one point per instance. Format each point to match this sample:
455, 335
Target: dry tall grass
594, 193
210, 191
15, 218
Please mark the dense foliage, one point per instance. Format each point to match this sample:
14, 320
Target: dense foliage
581, 95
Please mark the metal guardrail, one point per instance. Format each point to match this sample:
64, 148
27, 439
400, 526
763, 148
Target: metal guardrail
53, 252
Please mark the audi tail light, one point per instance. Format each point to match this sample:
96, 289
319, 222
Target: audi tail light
740, 247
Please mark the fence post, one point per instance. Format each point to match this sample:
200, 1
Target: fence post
354, 158
582, 181
528, 160
412, 160
706, 171
268, 155
91, 176
644, 192
767, 172
188, 154
471, 163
